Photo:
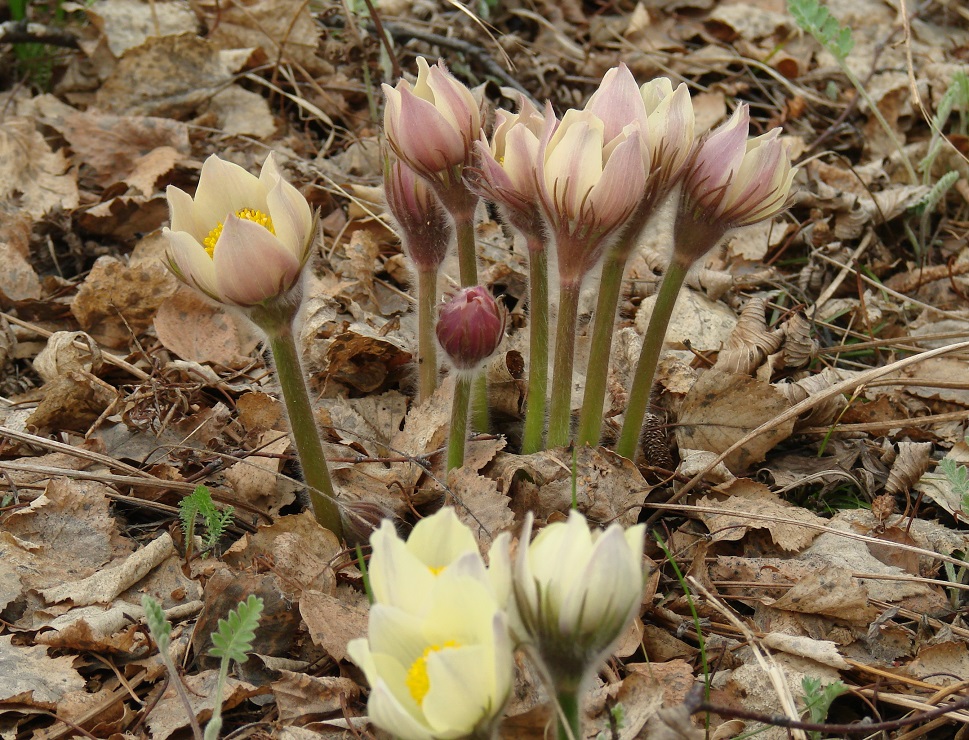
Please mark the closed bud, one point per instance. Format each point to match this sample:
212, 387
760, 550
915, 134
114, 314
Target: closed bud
470, 326
425, 229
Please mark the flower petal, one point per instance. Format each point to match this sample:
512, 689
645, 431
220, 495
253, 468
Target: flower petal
225, 188
184, 216
618, 102
191, 263
251, 265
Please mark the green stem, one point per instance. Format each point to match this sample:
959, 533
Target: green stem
480, 418
537, 348
853, 79
467, 254
303, 425
642, 385
560, 414
459, 420
426, 343
214, 725
569, 722
600, 351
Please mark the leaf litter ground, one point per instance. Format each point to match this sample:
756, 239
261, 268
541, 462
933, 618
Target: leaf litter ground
802, 466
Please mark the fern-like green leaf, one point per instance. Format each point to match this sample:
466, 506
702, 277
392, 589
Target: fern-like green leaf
816, 20
200, 503
161, 630
233, 638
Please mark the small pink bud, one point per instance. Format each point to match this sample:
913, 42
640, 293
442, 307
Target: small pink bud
470, 326
425, 229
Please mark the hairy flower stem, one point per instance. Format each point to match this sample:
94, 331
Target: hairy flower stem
642, 384
560, 414
590, 418
570, 721
467, 254
426, 344
537, 346
278, 326
459, 420
468, 274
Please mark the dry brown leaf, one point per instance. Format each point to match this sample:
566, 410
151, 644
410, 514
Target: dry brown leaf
332, 622
722, 407
910, 465
126, 25
133, 149
168, 76
943, 664
300, 697
257, 481
200, 331
117, 299
72, 402
697, 321
26, 672
284, 31
68, 351
168, 716
479, 504
106, 584
18, 281
243, 113
831, 591
747, 496
750, 341
29, 167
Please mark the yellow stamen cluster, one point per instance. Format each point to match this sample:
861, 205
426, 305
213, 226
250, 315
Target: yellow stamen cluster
417, 680
249, 214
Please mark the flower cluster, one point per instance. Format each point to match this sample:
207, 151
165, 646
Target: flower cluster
443, 626
586, 183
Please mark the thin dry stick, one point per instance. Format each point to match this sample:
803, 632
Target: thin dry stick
764, 658
748, 516
845, 386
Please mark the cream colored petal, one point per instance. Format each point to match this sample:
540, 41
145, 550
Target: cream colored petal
388, 713
292, 218
251, 265
461, 692
225, 188
397, 576
192, 263
441, 538
181, 208
573, 163
621, 185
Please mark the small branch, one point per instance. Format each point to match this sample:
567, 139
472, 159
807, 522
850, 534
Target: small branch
21, 32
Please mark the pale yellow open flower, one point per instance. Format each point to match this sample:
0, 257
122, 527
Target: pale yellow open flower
445, 673
402, 574
575, 592
242, 240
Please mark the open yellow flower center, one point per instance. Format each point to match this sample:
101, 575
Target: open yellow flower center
417, 681
436, 569
249, 214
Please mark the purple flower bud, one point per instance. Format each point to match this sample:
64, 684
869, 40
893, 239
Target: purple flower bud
470, 327
424, 226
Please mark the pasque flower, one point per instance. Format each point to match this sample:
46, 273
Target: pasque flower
445, 673
732, 181
507, 174
588, 186
403, 574
470, 326
574, 593
666, 121
424, 227
425, 231
242, 240
432, 124
506, 170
